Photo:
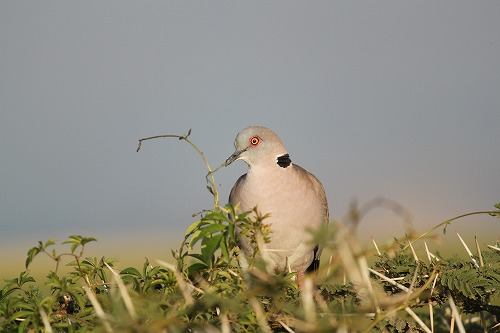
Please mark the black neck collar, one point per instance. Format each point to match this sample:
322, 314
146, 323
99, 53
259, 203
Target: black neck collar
284, 160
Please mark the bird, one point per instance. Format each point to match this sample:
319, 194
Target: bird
293, 197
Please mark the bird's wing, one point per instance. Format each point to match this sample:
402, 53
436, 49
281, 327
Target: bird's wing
320, 191
235, 191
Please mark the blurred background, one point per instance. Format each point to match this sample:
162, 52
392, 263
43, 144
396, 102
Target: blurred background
378, 99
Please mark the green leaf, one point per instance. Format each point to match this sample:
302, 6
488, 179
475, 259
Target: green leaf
31, 254
25, 278
22, 326
197, 256
86, 240
217, 216
77, 240
196, 268
131, 271
6, 290
225, 274
22, 314
195, 225
224, 249
208, 247
153, 271
50, 242
207, 230
74, 240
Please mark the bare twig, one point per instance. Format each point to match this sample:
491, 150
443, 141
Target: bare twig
481, 264
430, 256
418, 320
259, 314
391, 281
357, 213
286, 327
479, 255
376, 246
183, 285
468, 251
454, 310
431, 309
45, 320
447, 222
494, 247
212, 187
413, 251
307, 300
98, 309
123, 292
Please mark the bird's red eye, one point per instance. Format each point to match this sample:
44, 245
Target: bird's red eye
254, 141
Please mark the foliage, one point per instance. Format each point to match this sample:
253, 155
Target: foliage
213, 287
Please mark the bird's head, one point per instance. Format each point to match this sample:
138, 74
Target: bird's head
259, 145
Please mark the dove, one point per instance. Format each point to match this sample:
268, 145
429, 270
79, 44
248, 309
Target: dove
293, 197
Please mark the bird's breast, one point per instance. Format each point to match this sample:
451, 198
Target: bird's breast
283, 195
294, 205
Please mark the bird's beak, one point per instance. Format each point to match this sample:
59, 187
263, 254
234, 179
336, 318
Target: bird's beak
235, 156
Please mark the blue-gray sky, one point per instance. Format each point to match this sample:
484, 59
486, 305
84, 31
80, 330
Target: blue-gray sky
392, 99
